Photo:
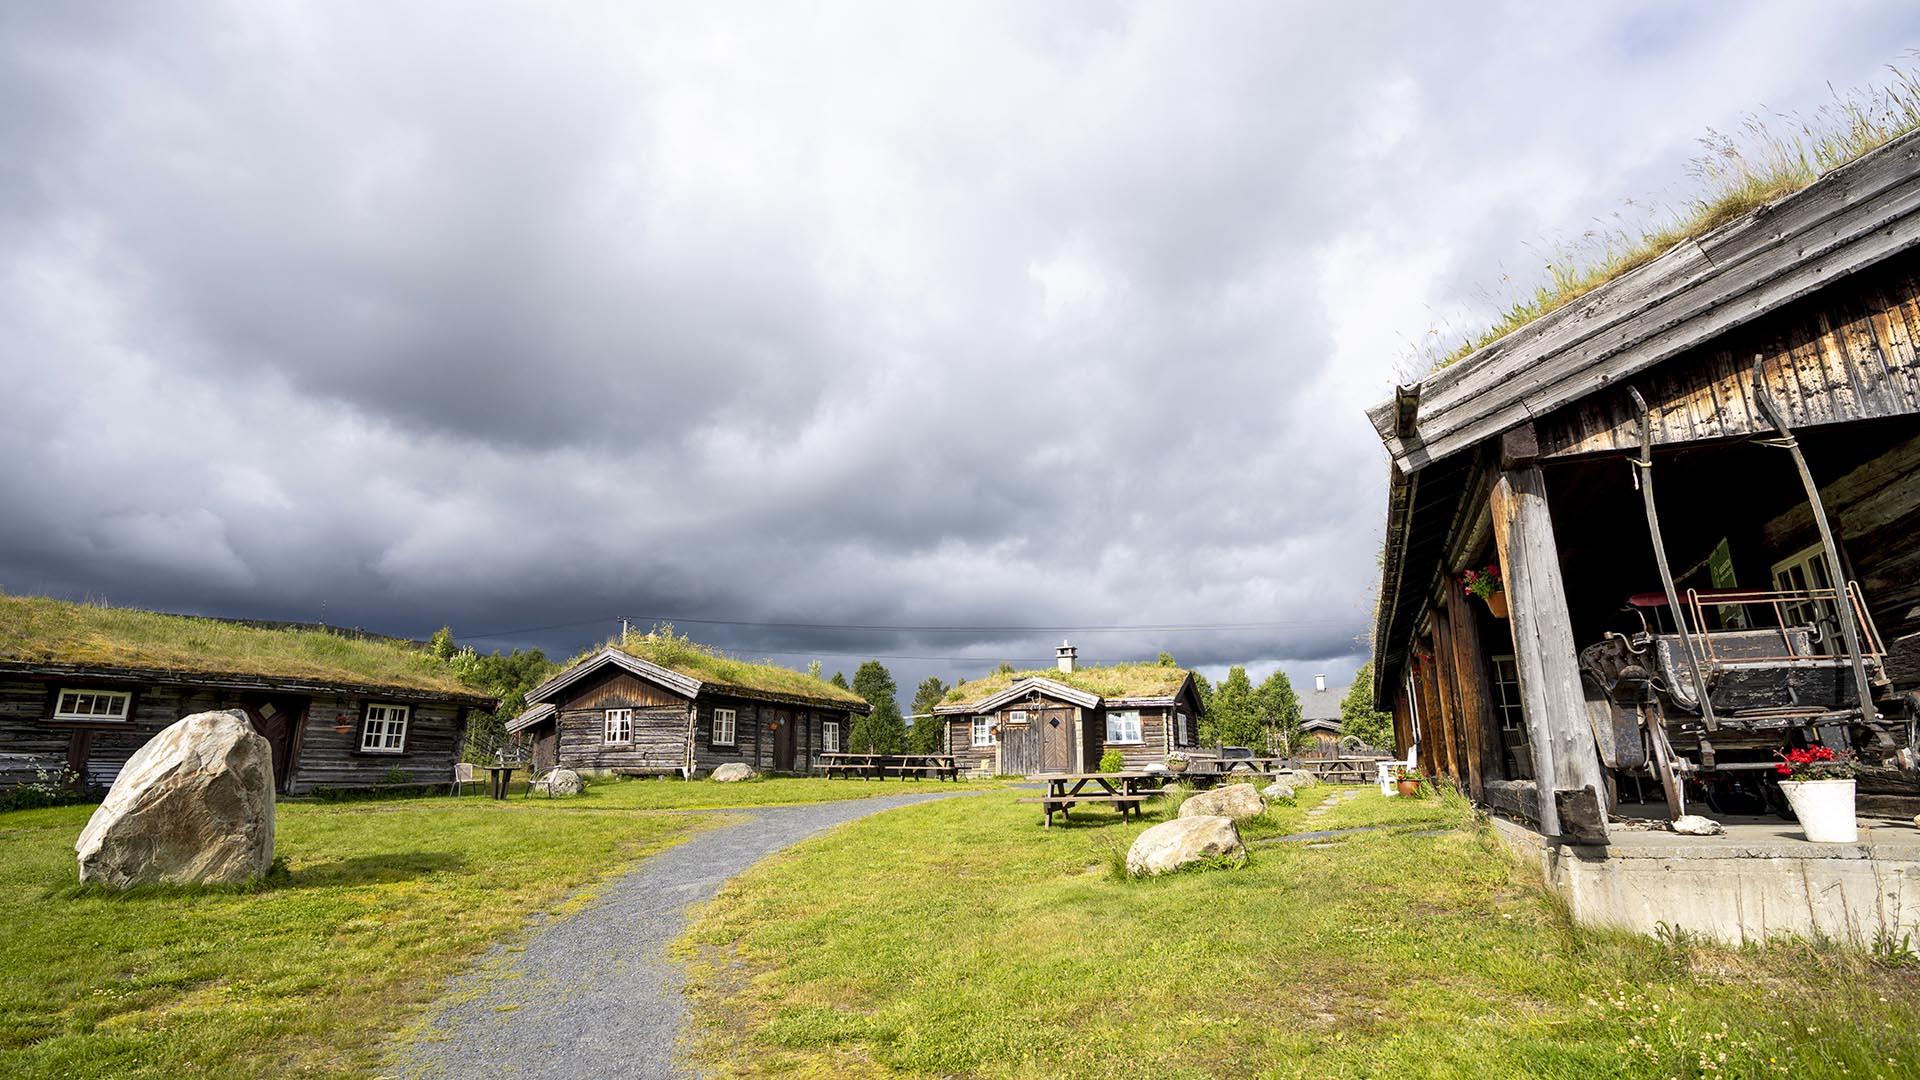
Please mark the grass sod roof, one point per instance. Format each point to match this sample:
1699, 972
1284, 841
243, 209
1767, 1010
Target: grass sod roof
37, 630
712, 667
1131, 680
1739, 176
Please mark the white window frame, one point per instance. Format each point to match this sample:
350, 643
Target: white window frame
1513, 716
983, 731
120, 704
624, 717
829, 736
1122, 718
384, 728
1810, 566
1017, 716
732, 728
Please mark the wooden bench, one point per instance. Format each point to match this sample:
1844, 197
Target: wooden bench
1124, 791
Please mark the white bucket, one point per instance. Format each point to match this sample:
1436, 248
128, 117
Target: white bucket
1825, 809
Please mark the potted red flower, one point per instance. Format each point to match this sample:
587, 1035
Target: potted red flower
1406, 782
1486, 585
1818, 782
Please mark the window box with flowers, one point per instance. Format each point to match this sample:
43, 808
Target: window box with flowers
1486, 585
1818, 783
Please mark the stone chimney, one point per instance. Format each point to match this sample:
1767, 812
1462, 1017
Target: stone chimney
1064, 657
1320, 682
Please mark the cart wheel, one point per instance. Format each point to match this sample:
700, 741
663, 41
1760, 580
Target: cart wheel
1663, 767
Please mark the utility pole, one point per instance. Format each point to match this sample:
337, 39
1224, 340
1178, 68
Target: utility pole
623, 628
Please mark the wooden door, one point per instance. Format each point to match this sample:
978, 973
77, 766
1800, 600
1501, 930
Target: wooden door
273, 718
1056, 735
1020, 748
782, 724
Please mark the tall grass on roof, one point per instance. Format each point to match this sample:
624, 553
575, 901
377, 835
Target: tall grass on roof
1767, 158
663, 646
1132, 679
39, 630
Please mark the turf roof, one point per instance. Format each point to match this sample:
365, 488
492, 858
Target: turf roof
38, 630
1114, 681
690, 658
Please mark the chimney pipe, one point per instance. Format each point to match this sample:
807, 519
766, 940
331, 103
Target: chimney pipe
1320, 682
1064, 657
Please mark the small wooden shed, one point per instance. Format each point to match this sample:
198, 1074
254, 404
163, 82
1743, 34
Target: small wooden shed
655, 704
1031, 722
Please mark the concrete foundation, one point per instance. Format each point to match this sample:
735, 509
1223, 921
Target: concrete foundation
1761, 879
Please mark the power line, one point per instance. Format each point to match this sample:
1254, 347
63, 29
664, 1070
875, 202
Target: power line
1162, 628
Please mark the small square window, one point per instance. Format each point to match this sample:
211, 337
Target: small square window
385, 731
1123, 726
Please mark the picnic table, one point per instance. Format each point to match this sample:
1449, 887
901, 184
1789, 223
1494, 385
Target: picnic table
880, 766
497, 777
1126, 790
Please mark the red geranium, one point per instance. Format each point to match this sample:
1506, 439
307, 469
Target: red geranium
1482, 583
1804, 763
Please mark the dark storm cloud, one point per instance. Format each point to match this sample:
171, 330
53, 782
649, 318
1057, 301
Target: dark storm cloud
883, 314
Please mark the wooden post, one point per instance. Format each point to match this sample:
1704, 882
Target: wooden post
1432, 753
1449, 705
1474, 694
1566, 765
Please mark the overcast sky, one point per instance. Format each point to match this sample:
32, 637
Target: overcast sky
509, 316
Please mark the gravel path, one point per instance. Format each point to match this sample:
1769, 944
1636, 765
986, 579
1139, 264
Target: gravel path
594, 995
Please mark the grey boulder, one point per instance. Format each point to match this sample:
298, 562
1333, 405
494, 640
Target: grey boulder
1279, 791
1236, 801
1181, 842
732, 772
194, 806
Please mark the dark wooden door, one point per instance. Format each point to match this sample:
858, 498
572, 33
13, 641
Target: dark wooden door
782, 722
275, 719
1056, 737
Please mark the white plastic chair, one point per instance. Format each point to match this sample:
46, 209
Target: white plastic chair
462, 776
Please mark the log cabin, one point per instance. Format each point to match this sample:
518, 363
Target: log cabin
84, 686
1320, 720
1764, 379
1031, 722
656, 704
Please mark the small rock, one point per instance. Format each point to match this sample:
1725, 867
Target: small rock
194, 806
1279, 791
1155, 768
564, 782
1695, 825
1236, 801
732, 772
1183, 841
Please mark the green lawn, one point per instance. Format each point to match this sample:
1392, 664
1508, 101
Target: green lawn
983, 945
312, 973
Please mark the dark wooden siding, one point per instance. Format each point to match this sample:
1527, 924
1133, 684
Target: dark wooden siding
1844, 354
659, 743
330, 758
753, 740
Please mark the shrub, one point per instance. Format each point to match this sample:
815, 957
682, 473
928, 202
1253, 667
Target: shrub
1112, 761
60, 787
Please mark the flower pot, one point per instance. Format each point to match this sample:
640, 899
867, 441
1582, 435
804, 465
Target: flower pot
1825, 809
1176, 765
1408, 788
1497, 603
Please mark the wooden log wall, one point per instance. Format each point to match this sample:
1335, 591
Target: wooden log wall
329, 758
1846, 353
658, 746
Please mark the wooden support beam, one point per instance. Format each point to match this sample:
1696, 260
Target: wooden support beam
1475, 694
1564, 756
1449, 708
1432, 754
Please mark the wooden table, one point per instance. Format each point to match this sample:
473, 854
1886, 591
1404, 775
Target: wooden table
938, 766
1125, 790
497, 777
865, 766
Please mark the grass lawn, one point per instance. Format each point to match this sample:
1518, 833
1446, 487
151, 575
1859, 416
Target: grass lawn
670, 793
308, 975
983, 945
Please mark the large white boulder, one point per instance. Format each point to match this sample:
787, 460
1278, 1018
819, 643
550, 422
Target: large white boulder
732, 772
192, 806
1278, 791
1183, 841
1236, 801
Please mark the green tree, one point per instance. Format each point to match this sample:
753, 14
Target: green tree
927, 736
813, 668
875, 683
1204, 690
881, 732
1359, 717
1233, 719
840, 680
1005, 668
1279, 709
1167, 660
503, 676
